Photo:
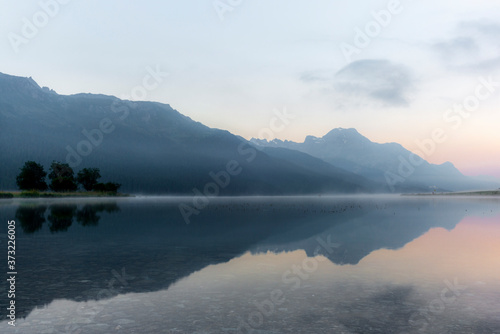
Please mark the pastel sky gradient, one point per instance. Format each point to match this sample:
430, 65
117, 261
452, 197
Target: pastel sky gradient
233, 73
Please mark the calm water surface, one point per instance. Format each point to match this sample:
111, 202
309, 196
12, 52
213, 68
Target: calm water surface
256, 265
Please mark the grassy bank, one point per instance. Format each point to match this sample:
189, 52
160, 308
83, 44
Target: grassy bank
464, 193
37, 194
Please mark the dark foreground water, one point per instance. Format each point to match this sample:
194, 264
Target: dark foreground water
255, 265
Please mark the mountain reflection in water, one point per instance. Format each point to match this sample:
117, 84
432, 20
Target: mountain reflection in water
352, 265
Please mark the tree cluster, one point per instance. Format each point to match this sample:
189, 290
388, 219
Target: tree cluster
62, 178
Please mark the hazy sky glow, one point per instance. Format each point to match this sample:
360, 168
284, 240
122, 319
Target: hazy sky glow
396, 81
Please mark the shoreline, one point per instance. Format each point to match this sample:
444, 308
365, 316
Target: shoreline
93, 194
461, 193
35, 194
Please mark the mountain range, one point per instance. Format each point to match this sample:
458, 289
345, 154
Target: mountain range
151, 148
388, 163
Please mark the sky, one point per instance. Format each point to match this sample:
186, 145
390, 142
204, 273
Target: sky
425, 74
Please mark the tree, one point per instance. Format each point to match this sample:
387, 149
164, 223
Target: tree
88, 177
62, 177
32, 177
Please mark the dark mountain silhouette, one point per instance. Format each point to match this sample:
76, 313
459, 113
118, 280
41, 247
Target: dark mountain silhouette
318, 166
390, 164
151, 148
147, 147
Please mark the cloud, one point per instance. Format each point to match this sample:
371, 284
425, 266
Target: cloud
379, 82
317, 76
456, 47
483, 66
483, 27
457, 53
474, 48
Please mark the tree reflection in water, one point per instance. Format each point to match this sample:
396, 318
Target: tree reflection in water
60, 216
87, 216
31, 217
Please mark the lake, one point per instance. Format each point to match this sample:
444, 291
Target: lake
325, 264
